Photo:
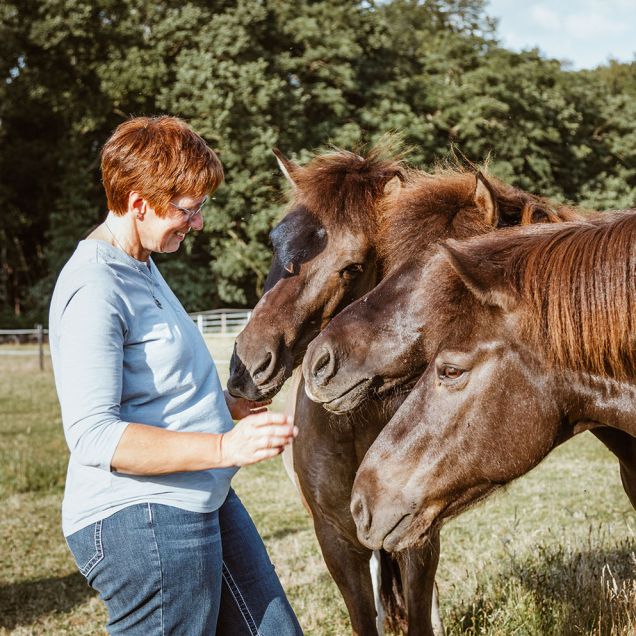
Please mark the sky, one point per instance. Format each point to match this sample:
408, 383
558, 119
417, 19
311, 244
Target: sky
584, 32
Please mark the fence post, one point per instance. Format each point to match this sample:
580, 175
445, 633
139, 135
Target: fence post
200, 322
223, 323
40, 335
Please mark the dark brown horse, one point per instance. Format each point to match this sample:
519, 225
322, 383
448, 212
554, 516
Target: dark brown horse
345, 211
325, 256
381, 342
531, 337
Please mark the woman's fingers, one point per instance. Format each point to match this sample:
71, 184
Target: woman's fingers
268, 418
273, 441
259, 436
267, 453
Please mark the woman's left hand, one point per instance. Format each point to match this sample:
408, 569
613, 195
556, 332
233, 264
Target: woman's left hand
241, 407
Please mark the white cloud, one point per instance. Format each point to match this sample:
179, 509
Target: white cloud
590, 25
611, 6
545, 18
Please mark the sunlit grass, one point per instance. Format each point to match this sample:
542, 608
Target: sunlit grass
553, 555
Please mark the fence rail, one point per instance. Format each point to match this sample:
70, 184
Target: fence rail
22, 332
217, 322
221, 322
38, 333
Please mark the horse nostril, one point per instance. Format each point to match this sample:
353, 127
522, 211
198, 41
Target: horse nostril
236, 364
264, 365
324, 367
360, 513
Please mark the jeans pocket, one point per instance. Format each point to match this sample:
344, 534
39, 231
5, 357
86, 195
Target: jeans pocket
86, 547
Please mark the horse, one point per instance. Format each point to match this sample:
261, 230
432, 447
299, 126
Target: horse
531, 339
380, 343
329, 250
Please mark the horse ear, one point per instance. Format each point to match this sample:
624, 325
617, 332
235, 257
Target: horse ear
485, 200
287, 167
483, 277
393, 186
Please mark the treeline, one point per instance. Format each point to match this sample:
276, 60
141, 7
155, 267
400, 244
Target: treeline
251, 75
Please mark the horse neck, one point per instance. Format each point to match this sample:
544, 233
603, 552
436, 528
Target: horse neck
603, 400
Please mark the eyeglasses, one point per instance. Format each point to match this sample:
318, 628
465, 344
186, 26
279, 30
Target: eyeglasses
190, 212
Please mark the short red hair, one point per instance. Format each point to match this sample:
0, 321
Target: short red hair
161, 158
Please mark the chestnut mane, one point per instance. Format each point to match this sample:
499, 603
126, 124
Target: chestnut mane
433, 207
580, 282
577, 282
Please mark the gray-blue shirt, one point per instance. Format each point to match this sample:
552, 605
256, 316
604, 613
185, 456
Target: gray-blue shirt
119, 357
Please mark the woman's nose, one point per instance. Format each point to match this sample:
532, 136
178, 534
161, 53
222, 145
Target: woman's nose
196, 222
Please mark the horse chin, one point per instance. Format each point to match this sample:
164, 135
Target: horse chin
414, 529
349, 399
248, 389
411, 532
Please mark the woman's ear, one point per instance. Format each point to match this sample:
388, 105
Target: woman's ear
137, 205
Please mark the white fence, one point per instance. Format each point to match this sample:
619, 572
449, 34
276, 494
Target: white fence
221, 322
217, 322
36, 334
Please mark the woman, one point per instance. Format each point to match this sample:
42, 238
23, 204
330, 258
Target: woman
148, 511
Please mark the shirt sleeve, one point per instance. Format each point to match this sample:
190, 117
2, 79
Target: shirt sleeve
89, 375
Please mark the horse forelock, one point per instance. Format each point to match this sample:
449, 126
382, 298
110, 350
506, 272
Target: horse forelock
345, 189
435, 206
422, 214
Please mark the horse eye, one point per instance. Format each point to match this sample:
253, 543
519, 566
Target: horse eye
449, 372
351, 271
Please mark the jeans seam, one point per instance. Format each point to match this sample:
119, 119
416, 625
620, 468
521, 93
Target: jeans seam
240, 601
99, 550
154, 536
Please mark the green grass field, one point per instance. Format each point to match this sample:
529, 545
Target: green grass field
555, 554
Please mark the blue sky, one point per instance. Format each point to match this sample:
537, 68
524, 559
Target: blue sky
585, 32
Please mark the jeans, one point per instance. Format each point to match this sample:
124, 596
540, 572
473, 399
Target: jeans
163, 570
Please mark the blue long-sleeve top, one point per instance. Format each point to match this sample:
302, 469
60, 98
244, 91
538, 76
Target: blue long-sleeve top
124, 350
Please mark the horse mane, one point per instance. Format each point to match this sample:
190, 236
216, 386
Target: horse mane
579, 282
432, 207
342, 188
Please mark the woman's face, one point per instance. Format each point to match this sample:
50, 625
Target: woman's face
165, 234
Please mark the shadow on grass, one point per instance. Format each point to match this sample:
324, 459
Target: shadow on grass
281, 533
558, 591
23, 603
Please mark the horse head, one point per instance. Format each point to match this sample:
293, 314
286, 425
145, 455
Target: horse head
530, 342
324, 258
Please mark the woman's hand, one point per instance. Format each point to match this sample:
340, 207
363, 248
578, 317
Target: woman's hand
257, 437
240, 407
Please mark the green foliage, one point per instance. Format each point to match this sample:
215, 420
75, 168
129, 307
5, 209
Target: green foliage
297, 75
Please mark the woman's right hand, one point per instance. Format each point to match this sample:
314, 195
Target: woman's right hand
257, 437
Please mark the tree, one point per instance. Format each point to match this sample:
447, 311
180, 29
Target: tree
298, 75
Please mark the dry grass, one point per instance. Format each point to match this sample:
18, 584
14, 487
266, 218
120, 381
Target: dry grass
553, 555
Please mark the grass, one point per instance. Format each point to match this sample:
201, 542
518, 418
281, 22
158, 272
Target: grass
555, 554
